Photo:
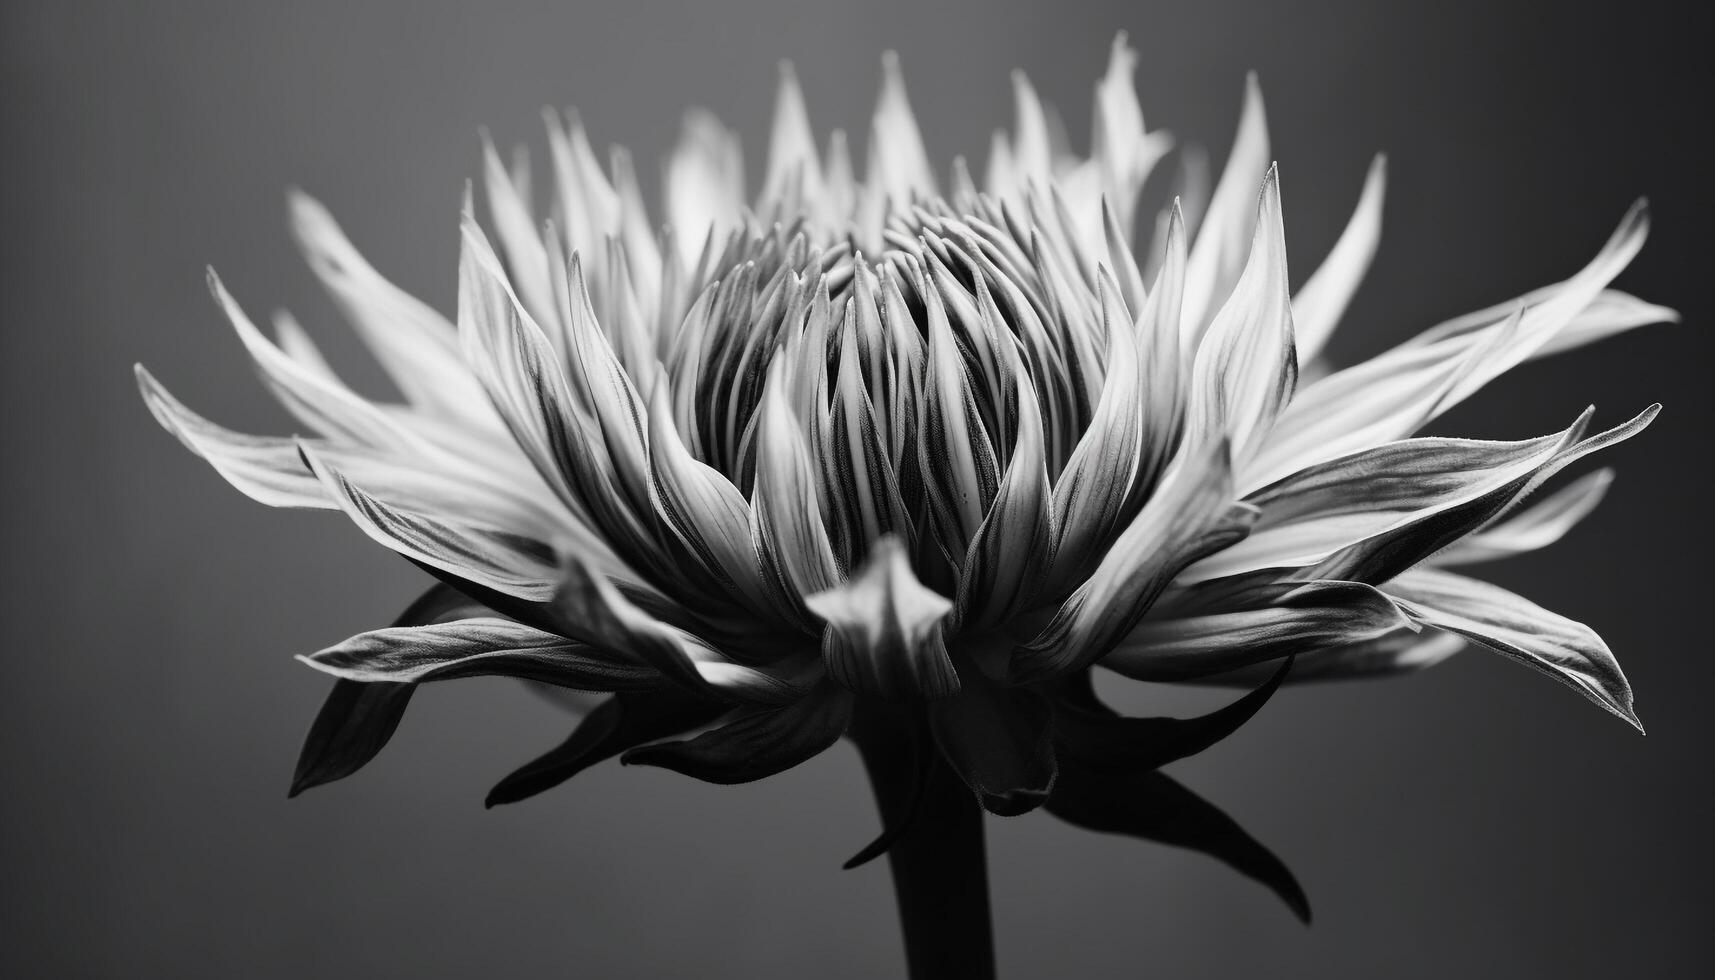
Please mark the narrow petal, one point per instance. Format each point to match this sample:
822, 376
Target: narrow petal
480, 648
1400, 652
1322, 300
1329, 506
1245, 369
1013, 545
1225, 233
358, 719
1188, 518
507, 563
898, 163
1538, 526
792, 156
757, 743
1520, 630
621, 722
1299, 621
1391, 396
883, 633
417, 346
1380, 557
789, 530
591, 609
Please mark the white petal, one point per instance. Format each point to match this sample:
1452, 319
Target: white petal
480, 647
1224, 235
1520, 630
1537, 527
1323, 298
1245, 369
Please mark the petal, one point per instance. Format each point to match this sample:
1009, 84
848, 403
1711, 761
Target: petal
1520, 630
358, 719
322, 403
1329, 506
704, 184
1382, 556
506, 563
1224, 237
757, 743
999, 740
617, 724
898, 164
789, 529
1013, 545
1399, 652
1393, 395
1151, 806
1322, 300
883, 633
792, 156
415, 345
1537, 527
1297, 622
1245, 368
479, 648
527, 257
589, 606
1091, 493
1188, 518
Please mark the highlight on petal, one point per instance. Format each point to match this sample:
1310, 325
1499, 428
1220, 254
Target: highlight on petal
1322, 300
1225, 233
1520, 630
1284, 620
477, 648
883, 634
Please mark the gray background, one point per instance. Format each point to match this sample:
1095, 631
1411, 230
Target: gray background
1476, 820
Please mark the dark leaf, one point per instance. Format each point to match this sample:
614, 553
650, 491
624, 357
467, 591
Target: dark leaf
999, 740
358, 718
756, 744
1097, 737
1151, 806
617, 724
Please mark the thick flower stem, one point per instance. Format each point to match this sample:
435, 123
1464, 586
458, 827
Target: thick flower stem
939, 865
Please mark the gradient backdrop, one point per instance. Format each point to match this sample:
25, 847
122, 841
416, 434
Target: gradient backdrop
1474, 821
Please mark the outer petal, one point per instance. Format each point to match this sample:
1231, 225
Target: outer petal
1000, 742
1538, 526
1317, 511
357, 719
481, 647
591, 609
1323, 298
884, 629
1218, 254
1298, 622
1520, 630
1399, 652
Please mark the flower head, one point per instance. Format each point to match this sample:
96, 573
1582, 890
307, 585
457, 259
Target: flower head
934, 451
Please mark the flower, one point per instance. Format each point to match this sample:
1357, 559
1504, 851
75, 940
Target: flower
892, 449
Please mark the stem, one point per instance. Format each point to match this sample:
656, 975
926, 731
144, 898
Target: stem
940, 869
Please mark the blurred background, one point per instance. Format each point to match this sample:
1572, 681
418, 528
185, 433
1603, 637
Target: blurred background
1476, 820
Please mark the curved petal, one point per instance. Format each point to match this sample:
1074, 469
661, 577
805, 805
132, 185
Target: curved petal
1539, 526
479, 648
1520, 630
1322, 300
757, 743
